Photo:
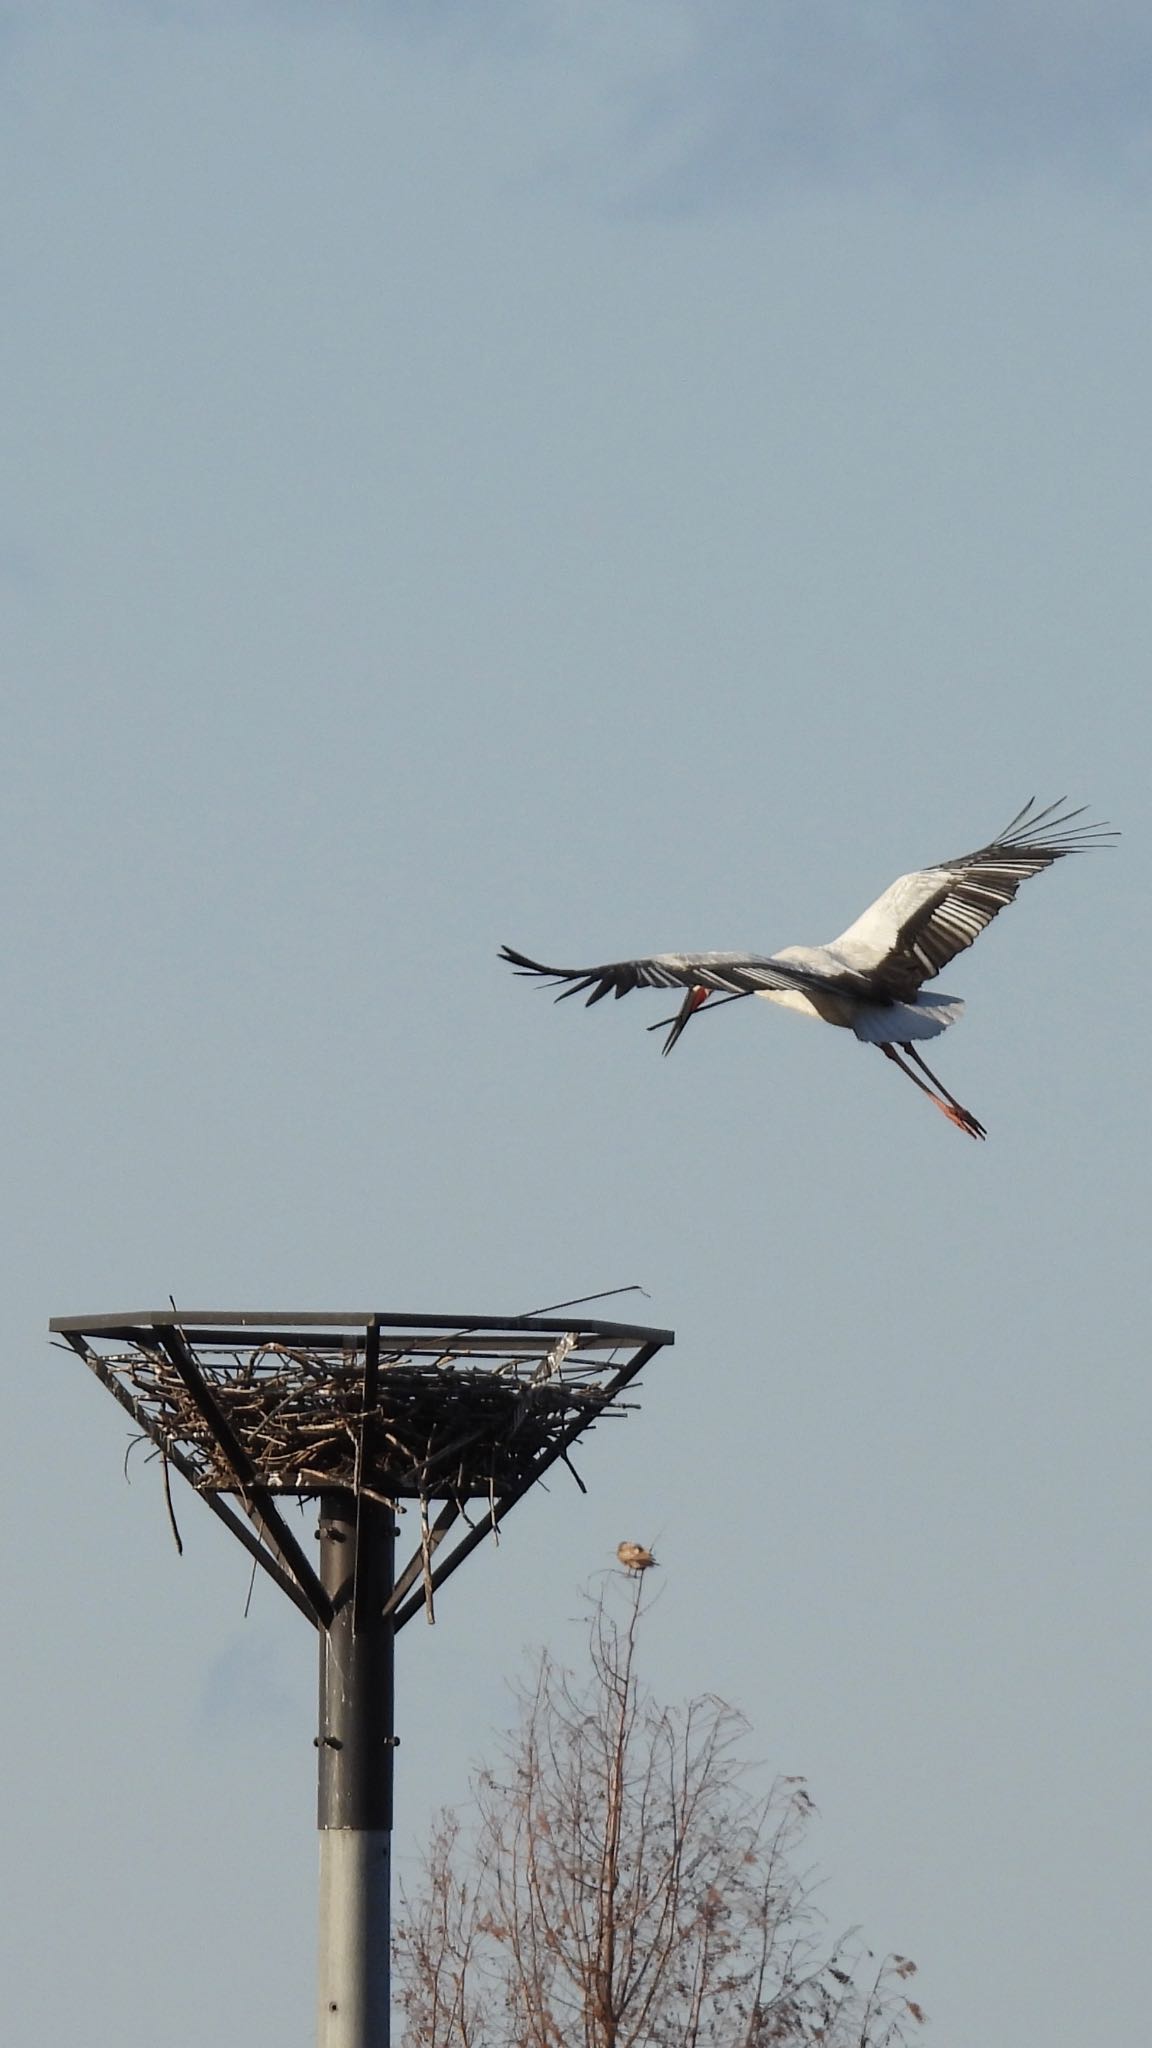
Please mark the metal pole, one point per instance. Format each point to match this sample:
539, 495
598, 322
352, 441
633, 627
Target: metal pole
355, 1745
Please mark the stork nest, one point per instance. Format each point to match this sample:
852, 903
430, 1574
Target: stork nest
445, 1426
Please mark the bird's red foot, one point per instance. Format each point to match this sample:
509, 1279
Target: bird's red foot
962, 1118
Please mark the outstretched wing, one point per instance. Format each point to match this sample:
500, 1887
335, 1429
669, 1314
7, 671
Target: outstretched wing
912, 931
737, 974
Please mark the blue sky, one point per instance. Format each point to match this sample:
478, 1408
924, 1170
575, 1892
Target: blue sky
510, 474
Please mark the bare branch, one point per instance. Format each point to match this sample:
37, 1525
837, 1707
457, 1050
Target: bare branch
627, 1885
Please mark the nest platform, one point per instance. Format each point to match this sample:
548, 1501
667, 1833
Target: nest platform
253, 1409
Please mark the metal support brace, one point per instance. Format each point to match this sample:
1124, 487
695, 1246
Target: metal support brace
261, 1507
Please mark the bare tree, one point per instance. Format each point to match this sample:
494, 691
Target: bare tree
625, 1886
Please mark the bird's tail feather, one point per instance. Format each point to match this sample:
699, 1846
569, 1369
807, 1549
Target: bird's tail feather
922, 1016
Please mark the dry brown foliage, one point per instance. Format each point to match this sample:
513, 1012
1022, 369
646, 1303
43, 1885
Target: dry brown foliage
626, 1886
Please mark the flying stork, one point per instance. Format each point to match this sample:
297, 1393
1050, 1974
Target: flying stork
869, 980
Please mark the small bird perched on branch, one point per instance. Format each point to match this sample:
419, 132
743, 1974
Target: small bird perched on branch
869, 980
634, 1557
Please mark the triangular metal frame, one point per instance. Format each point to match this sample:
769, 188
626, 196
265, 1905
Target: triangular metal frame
181, 1336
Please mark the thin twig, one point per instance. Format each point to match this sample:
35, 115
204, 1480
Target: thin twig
169, 1506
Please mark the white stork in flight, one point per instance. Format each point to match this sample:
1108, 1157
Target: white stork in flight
869, 980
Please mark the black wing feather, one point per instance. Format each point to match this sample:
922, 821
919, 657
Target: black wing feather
976, 887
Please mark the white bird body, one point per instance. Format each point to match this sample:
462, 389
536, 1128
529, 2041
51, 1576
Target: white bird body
923, 1017
869, 980
827, 1009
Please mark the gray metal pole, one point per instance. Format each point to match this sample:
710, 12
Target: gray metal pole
355, 1746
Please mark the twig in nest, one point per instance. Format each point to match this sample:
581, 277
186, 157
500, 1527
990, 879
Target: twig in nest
573, 1471
132, 1443
456, 1422
169, 1506
578, 1300
426, 1560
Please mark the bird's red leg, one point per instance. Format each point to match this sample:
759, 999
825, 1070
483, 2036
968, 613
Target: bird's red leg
691, 1003
955, 1113
963, 1117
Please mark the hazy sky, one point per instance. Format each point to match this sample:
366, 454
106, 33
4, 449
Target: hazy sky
607, 480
